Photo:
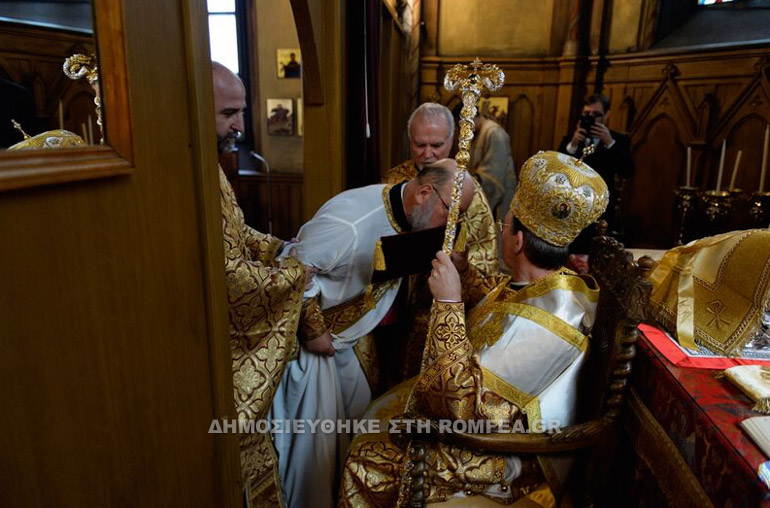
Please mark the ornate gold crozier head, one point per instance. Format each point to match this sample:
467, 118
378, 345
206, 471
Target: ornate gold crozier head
83, 66
558, 196
471, 80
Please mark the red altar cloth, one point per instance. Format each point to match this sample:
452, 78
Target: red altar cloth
701, 414
674, 354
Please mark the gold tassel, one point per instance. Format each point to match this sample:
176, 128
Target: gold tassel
369, 297
462, 238
379, 257
762, 406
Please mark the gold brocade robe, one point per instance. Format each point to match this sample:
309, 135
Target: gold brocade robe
456, 384
265, 299
482, 254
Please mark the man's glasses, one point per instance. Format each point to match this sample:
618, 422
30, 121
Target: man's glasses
439, 196
501, 226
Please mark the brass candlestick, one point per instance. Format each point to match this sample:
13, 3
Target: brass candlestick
718, 206
759, 212
686, 205
740, 202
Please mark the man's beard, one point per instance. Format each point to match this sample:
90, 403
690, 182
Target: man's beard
420, 216
227, 144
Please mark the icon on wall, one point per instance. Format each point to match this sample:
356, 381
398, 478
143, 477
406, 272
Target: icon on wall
280, 117
495, 108
289, 63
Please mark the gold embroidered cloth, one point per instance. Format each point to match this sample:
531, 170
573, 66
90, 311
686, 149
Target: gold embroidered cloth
455, 384
265, 298
714, 291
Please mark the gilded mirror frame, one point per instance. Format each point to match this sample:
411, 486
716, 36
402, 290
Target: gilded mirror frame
31, 168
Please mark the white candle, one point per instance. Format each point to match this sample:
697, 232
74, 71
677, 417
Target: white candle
61, 116
689, 160
735, 169
721, 165
84, 131
764, 161
90, 131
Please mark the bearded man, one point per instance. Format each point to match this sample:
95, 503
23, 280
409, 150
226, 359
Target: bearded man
265, 299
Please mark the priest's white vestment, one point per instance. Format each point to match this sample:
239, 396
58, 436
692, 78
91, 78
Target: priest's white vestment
340, 242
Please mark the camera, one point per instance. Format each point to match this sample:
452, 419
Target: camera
586, 122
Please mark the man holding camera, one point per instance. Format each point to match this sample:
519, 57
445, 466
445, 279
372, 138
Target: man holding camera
611, 156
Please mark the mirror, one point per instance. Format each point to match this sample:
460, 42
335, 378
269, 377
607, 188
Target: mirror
35, 39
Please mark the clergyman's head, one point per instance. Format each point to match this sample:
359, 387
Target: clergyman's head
556, 198
229, 105
430, 195
431, 130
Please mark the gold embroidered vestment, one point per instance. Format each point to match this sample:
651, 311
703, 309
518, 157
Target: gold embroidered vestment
265, 299
455, 384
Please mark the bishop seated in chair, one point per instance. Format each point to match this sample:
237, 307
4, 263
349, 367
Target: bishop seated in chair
512, 360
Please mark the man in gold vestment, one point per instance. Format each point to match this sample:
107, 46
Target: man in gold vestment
265, 299
431, 131
512, 361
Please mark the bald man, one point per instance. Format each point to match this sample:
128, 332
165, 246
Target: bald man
229, 106
265, 299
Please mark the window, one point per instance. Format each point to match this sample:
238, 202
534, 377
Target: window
223, 33
229, 45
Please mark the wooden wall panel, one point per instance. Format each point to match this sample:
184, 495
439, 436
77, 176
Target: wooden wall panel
285, 191
665, 101
659, 151
695, 99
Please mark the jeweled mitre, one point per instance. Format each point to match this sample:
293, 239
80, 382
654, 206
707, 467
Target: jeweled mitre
558, 196
50, 139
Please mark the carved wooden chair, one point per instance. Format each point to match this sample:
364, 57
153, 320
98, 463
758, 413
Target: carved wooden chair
623, 299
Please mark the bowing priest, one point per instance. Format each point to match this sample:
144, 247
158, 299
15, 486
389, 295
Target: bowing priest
328, 381
431, 133
265, 299
504, 349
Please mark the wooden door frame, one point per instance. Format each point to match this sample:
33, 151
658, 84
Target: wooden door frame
203, 132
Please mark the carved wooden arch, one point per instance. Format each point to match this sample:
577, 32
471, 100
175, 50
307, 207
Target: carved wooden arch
643, 131
311, 70
705, 117
659, 152
753, 100
668, 93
